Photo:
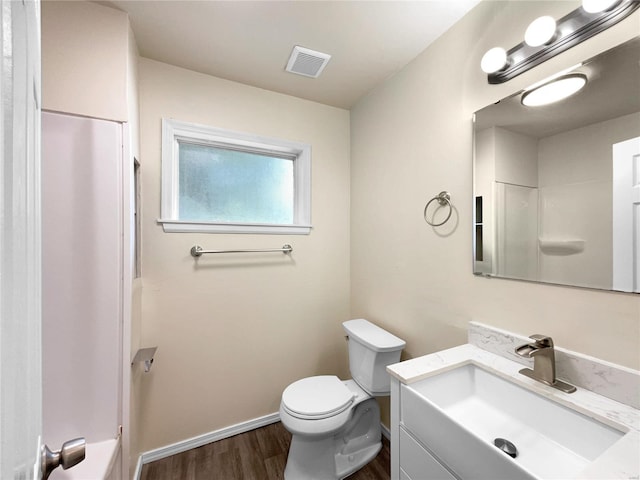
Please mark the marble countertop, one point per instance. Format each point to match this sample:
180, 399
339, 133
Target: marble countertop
621, 461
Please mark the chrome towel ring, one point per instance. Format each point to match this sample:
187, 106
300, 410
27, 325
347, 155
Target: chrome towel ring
443, 198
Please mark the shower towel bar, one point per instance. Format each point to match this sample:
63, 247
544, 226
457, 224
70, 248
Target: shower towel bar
197, 250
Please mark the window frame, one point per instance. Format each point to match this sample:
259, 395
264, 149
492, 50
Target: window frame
175, 131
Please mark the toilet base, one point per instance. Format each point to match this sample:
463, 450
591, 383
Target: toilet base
341, 453
348, 464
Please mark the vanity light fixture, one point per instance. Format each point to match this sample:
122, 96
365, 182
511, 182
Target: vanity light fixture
545, 38
540, 31
494, 60
555, 90
597, 6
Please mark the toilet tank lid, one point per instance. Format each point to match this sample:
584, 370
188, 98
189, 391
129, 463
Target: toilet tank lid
373, 336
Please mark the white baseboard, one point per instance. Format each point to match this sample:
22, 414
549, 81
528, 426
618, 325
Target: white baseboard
386, 433
200, 440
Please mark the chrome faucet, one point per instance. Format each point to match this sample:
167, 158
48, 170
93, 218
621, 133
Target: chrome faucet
544, 362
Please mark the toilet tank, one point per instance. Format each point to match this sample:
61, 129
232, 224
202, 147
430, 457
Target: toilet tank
371, 349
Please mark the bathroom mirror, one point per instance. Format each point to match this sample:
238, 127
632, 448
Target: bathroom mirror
554, 191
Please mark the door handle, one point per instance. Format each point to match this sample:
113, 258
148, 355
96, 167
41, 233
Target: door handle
71, 453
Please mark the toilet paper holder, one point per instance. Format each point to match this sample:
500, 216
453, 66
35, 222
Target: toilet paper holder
145, 356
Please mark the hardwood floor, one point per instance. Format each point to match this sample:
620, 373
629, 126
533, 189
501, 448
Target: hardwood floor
257, 455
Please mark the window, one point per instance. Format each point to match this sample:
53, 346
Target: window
221, 181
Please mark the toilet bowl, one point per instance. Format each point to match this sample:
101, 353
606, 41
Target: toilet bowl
335, 424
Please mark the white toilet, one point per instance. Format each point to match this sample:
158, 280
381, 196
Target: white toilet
336, 424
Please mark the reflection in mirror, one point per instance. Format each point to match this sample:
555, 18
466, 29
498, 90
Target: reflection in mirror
557, 187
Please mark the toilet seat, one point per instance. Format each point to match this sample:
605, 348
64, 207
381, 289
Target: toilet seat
315, 398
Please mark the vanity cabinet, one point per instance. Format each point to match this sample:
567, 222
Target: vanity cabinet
416, 463
411, 459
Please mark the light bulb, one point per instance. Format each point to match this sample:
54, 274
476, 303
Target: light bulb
597, 6
540, 31
555, 90
494, 60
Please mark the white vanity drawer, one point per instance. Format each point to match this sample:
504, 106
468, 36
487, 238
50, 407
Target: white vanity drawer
417, 463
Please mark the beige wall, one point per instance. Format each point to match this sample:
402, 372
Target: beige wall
576, 177
84, 59
516, 158
233, 331
584, 154
410, 139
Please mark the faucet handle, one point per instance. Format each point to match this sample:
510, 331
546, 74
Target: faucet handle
542, 340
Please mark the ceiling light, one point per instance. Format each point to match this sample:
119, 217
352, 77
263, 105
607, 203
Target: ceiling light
494, 60
550, 78
597, 6
554, 91
540, 31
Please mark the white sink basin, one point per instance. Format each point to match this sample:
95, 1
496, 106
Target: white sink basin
469, 407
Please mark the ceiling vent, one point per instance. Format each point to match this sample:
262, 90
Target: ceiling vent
307, 62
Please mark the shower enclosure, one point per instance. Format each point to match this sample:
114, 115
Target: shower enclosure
86, 279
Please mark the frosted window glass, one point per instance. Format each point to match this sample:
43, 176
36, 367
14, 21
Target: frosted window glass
220, 181
222, 185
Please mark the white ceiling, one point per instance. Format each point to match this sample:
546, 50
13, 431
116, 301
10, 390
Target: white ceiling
250, 41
